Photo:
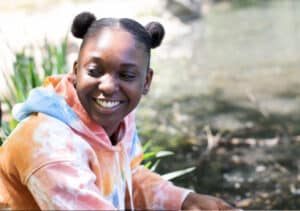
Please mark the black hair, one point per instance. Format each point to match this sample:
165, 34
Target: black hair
85, 25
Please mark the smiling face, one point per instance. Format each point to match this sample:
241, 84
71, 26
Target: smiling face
111, 76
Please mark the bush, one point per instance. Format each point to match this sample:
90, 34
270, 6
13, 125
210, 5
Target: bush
26, 77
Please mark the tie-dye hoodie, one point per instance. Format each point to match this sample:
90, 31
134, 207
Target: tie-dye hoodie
59, 158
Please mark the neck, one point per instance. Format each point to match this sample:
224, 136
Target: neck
115, 133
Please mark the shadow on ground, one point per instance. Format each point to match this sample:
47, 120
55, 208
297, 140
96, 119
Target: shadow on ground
255, 161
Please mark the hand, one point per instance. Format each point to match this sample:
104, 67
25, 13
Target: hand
196, 201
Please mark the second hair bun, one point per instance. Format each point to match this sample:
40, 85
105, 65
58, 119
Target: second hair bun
156, 32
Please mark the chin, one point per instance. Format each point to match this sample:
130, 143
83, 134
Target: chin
106, 122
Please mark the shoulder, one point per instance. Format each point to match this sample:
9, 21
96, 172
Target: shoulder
39, 140
34, 131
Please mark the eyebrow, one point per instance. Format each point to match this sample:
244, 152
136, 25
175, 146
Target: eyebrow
94, 59
97, 59
128, 65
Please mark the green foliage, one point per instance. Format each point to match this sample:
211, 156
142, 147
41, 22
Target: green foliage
55, 60
26, 77
153, 157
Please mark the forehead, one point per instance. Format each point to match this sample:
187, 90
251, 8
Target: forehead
113, 42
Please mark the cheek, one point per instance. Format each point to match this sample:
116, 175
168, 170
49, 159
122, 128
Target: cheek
84, 87
135, 92
85, 84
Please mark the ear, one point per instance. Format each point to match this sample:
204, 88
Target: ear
75, 67
148, 81
74, 72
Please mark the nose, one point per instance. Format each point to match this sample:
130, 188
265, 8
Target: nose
108, 84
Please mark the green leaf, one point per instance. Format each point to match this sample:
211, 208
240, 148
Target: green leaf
149, 155
147, 145
163, 153
6, 129
154, 166
178, 173
8, 103
148, 164
55, 60
9, 83
12, 124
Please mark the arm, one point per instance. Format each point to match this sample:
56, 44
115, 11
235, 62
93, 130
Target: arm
66, 186
151, 191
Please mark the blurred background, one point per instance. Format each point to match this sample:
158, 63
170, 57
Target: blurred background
225, 97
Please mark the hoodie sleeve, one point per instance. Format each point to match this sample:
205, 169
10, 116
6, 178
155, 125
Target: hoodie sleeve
66, 186
150, 190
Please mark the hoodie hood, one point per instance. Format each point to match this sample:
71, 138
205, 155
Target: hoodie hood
45, 100
58, 99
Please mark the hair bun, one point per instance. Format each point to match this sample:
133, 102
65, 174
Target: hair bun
156, 32
81, 23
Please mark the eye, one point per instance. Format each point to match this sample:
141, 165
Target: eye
127, 75
94, 70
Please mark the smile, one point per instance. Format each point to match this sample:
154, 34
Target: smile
107, 104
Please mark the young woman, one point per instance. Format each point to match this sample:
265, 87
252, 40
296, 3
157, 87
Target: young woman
76, 146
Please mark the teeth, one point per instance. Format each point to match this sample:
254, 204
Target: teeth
107, 104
